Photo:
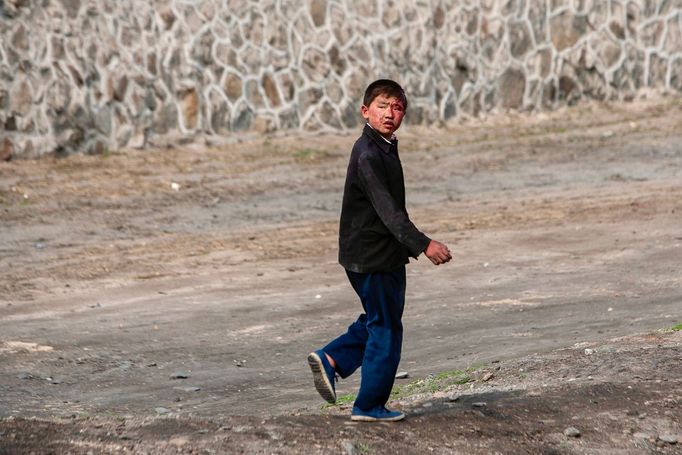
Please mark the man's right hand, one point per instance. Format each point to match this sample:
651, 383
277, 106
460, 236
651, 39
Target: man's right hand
437, 252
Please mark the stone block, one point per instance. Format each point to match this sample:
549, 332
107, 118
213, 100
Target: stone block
318, 12
232, 86
288, 119
676, 73
312, 123
202, 48
287, 88
337, 61
264, 124
20, 38
658, 68
607, 49
633, 14
253, 94
549, 94
72, 7
537, 15
519, 38
569, 90
329, 116
270, 89
309, 97
276, 36
566, 29
315, 64
6, 149
166, 118
219, 112
651, 33
189, 108
21, 98
102, 120
438, 17
511, 88
242, 117
340, 25
351, 114
448, 106
617, 29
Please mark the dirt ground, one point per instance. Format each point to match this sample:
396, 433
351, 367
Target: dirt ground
164, 301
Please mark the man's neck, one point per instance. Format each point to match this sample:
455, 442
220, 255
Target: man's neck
393, 136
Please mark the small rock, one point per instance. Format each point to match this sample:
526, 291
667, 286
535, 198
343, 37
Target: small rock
641, 435
175, 186
180, 375
589, 351
55, 381
350, 448
453, 398
572, 432
188, 389
162, 410
479, 404
402, 375
40, 246
669, 438
203, 431
26, 376
487, 377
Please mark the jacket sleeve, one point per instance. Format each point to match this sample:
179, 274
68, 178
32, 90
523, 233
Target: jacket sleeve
374, 181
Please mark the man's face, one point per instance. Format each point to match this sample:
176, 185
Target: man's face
384, 114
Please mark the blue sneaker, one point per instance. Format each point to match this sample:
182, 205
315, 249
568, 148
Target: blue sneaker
323, 375
378, 414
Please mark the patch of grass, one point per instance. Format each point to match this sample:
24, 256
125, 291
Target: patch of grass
431, 384
308, 155
363, 448
341, 400
434, 383
676, 328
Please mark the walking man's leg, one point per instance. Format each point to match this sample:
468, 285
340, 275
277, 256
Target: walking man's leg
383, 298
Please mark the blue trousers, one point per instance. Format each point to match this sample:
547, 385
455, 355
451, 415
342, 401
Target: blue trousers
374, 341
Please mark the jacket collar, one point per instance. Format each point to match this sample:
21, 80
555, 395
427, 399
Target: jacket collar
385, 146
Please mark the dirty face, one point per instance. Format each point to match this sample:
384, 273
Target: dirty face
384, 114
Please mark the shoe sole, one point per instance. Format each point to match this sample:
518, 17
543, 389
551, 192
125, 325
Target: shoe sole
361, 418
322, 384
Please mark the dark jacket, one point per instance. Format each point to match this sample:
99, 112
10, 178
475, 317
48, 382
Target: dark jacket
375, 232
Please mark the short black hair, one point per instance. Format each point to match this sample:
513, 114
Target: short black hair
384, 87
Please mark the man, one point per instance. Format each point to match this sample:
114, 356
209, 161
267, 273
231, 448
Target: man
376, 238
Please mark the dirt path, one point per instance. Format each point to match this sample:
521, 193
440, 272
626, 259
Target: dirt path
218, 262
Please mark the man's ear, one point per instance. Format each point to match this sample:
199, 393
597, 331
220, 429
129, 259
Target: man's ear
364, 110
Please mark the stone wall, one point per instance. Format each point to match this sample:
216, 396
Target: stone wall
97, 75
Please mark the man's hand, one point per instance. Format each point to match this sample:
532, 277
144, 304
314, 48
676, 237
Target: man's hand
437, 252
